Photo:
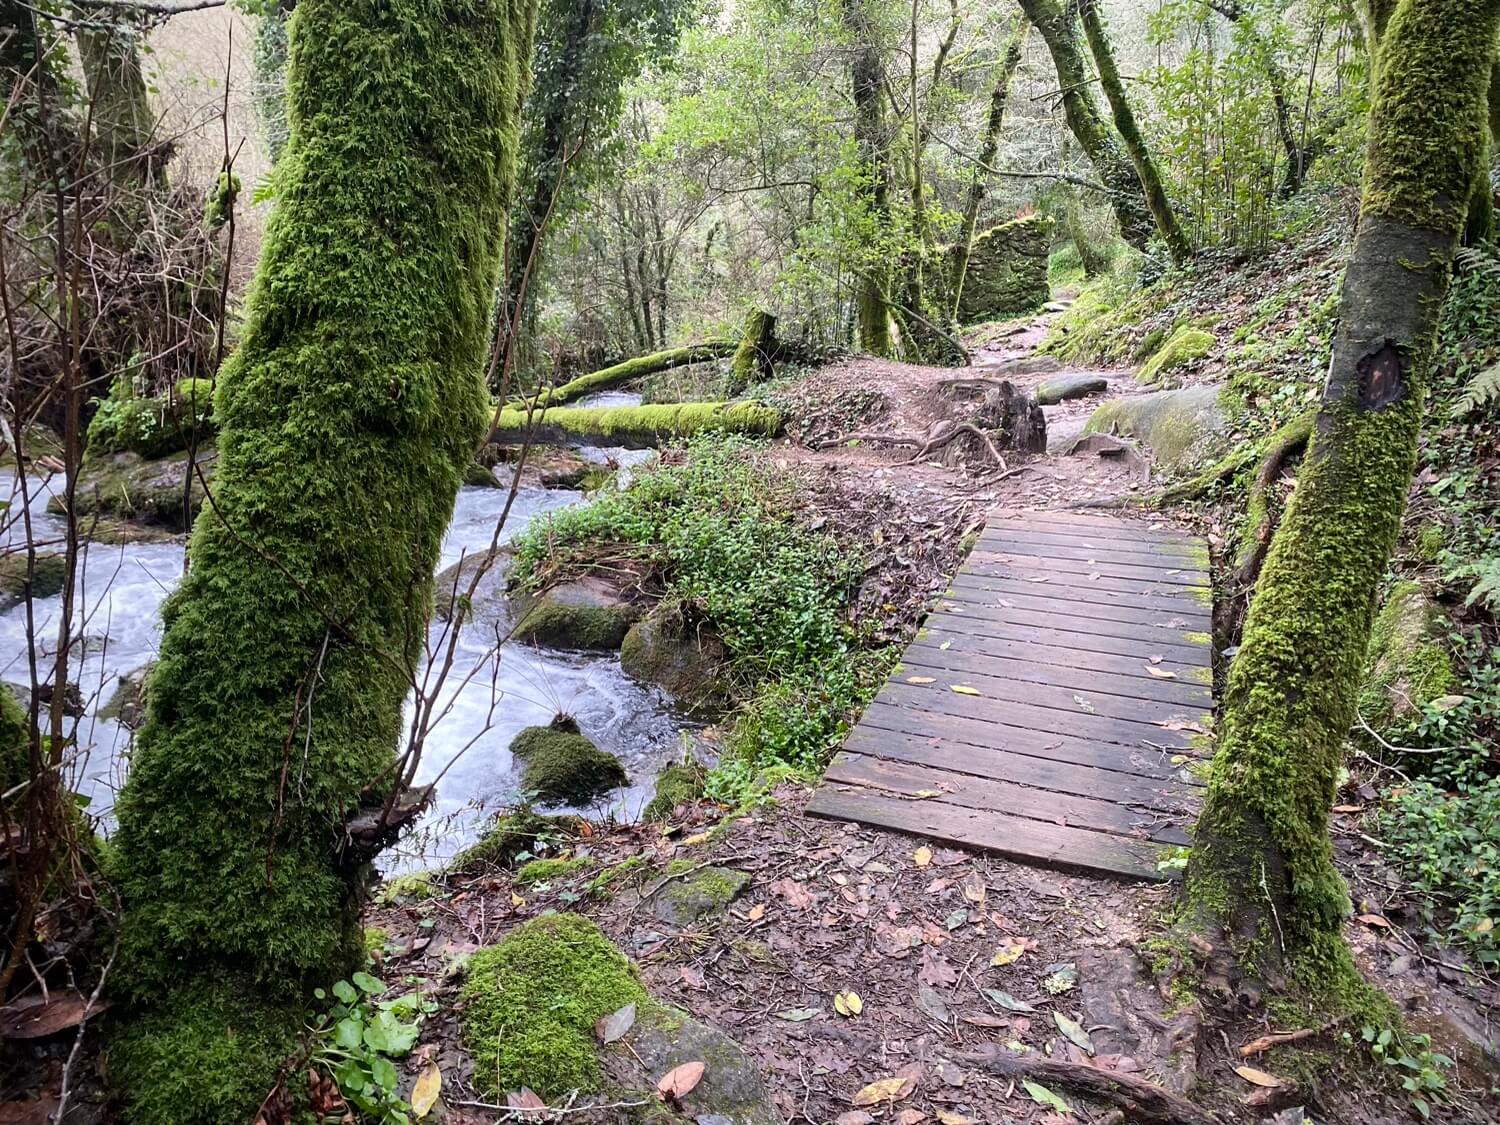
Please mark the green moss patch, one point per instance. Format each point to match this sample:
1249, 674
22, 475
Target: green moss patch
563, 767
1184, 428
546, 870
530, 1004
512, 835
1007, 271
1409, 665
678, 784
1187, 345
692, 892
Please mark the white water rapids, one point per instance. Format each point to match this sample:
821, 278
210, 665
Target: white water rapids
121, 591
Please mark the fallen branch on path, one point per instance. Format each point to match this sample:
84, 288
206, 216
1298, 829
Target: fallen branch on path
1138, 1099
944, 432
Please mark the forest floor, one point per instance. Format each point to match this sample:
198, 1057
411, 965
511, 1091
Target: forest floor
950, 952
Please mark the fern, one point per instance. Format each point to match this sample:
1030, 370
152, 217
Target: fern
1480, 259
1484, 388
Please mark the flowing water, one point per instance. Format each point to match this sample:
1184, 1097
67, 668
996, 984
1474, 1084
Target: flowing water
482, 705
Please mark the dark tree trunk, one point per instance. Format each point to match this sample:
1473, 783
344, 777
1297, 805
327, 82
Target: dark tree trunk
1261, 874
999, 94
1126, 196
1135, 144
119, 105
872, 303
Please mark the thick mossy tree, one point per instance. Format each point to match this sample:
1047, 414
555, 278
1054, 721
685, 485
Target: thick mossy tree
1057, 21
346, 418
872, 139
1261, 883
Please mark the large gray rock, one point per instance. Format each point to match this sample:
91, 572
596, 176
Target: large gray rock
127, 705
689, 893
1184, 428
589, 613
488, 603
687, 662
127, 486
1074, 384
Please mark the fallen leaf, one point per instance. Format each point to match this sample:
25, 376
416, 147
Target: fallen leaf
932, 1002
884, 1090
848, 1003
516, 900
853, 1117
921, 679
984, 1019
757, 912
1043, 1096
1008, 953
1084, 704
948, 1117
1155, 659
963, 689
946, 645
1348, 808
424, 1091
1007, 1001
1373, 920
974, 890
1075, 1032
524, 1098
922, 856
1259, 1077
35, 1017
678, 1082
696, 839
957, 918
936, 970
692, 978
1178, 724
615, 1025
910, 1117
1161, 673
797, 1015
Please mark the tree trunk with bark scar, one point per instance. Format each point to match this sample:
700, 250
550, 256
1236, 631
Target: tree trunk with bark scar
1126, 195
1130, 132
1261, 875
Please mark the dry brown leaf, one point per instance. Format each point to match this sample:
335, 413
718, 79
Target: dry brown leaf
1258, 1077
35, 1017
1373, 920
853, 1117
524, 1099
757, 912
680, 1081
963, 689
921, 679
884, 1090
1160, 673
922, 856
948, 1117
910, 1117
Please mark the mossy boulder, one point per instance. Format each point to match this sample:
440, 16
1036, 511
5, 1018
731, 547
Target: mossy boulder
156, 426
563, 767
529, 1008
150, 492
678, 784
1186, 345
1409, 665
691, 892
689, 663
589, 613
547, 870
489, 602
1074, 384
127, 705
1184, 428
45, 579
509, 836
1007, 271
480, 476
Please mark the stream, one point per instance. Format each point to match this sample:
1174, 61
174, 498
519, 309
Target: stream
121, 591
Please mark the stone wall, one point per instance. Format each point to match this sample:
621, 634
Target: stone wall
1007, 272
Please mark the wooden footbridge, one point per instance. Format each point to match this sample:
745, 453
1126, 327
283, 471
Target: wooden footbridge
1053, 705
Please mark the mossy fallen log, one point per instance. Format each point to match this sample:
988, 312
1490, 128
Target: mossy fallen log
635, 427
609, 378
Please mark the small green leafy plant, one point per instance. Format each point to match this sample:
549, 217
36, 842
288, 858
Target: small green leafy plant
359, 1036
1418, 1067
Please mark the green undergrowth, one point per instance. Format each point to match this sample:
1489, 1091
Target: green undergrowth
153, 426
724, 534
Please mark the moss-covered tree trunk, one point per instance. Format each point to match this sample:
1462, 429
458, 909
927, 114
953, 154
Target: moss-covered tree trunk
119, 105
346, 418
1130, 132
1058, 28
872, 138
1005, 70
1261, 873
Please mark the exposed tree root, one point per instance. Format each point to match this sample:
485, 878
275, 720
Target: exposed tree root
1138, 1099
1293, 435
944, 432
1274, 451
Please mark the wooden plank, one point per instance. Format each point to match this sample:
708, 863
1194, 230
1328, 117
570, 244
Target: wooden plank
1169, 630
1191, 671
924, 783
1076, 722
1175, 794
1142, 761
1032, 841
927, 659
1086, 592
1033, 572
982, 558
1016, 545
1123, 528
1183, 611
979, 631
1103, 539
993, 688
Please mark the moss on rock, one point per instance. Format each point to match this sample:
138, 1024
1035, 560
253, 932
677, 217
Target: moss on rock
511, 835
546, 870
587, 614
1187, 345
1409, 665
640, 427
1184, 428
43, 577
146, 491
688, 663
678, 784
563, 767
529, 1006
691, 891
1007, 271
